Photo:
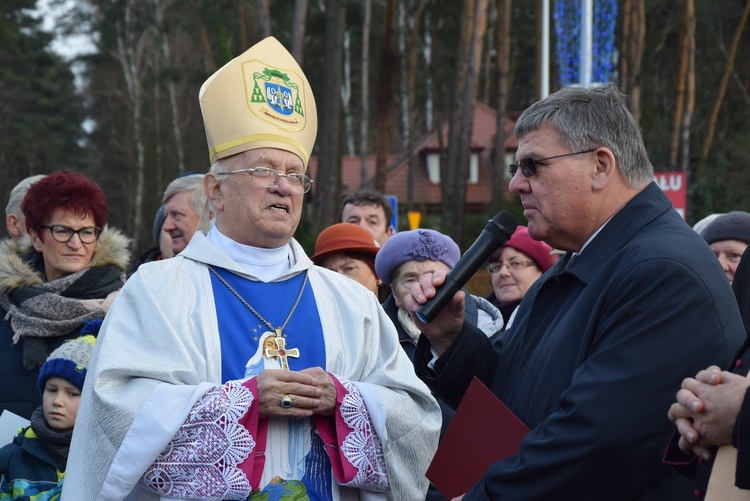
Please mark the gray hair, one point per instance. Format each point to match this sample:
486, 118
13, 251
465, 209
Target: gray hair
17, 194
221, 165
198, 200
592, 118
192, 183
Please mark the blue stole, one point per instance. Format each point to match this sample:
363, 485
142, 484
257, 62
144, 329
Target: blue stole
240, 330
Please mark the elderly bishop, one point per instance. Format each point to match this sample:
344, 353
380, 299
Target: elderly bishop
238, 369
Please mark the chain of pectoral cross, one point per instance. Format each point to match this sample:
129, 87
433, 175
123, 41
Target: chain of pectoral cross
281, 352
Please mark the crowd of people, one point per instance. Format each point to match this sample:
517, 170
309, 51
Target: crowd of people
224, 363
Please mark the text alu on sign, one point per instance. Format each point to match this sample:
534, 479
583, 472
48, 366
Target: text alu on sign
669, 182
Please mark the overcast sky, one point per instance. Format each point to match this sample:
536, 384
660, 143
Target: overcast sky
68, 46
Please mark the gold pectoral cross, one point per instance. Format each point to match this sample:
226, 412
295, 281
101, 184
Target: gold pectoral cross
281, 352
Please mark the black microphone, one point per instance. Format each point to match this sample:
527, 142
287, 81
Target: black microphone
498, 231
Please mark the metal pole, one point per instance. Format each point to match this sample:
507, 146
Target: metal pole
544, 73
587, 41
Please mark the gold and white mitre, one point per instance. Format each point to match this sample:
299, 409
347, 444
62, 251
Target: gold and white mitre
260, 99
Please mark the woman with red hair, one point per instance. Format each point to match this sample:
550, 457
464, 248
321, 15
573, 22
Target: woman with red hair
61, 284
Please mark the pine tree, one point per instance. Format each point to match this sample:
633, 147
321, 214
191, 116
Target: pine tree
40, 114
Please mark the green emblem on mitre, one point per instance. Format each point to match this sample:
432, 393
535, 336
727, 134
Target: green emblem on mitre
257, 95
278, 92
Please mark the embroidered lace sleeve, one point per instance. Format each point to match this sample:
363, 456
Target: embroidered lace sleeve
355, 450
203, 459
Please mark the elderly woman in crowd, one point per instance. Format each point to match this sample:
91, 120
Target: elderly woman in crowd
728, 236
403, 260
63, 282
514, 267
350, 250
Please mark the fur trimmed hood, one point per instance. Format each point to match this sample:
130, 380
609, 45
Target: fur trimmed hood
17, 263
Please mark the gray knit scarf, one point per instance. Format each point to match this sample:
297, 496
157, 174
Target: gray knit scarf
41, 314
56, 443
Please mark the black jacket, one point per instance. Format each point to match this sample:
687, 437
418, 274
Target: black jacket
599, 348
18, 391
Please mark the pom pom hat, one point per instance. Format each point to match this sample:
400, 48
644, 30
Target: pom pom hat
260, 99
68, 361
415, 245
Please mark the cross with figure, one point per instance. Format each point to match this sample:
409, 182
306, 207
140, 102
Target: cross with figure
281, 352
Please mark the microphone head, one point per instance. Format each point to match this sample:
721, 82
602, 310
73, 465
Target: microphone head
499, 229
502, 225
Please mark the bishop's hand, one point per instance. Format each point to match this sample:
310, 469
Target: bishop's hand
302, 388
328, 391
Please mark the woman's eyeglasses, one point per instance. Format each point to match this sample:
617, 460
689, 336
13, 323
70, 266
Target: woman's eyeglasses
528, 164
513, 264
63, 234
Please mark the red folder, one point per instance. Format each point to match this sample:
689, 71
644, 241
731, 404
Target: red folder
482, 431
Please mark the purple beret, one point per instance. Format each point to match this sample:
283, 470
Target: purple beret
415, 245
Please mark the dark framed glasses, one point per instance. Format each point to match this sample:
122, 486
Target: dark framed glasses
528, 164
63, 234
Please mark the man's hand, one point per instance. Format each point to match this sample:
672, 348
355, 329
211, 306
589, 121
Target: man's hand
722, 395
302, 387
707, 408
446, 326
682, 417
327, 389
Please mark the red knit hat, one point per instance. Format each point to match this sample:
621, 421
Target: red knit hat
538, 251
343, 237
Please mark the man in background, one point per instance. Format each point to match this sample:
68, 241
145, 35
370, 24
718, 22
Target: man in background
370, 210
187, 210
15, 221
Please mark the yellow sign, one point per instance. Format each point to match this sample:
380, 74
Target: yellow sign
414, 219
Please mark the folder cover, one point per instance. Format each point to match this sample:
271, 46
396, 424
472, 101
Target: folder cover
482, 431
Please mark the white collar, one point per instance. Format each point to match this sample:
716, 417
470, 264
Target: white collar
265, 264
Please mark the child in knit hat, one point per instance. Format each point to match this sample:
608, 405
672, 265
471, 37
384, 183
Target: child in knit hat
33, 465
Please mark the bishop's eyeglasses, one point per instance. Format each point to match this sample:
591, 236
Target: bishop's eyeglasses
265, 178
63, 234
528, 164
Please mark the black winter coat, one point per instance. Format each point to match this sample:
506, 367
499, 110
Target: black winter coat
599, 348
18, 391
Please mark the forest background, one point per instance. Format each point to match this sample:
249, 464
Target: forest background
384, 72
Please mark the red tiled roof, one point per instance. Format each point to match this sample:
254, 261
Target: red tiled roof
478, 194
